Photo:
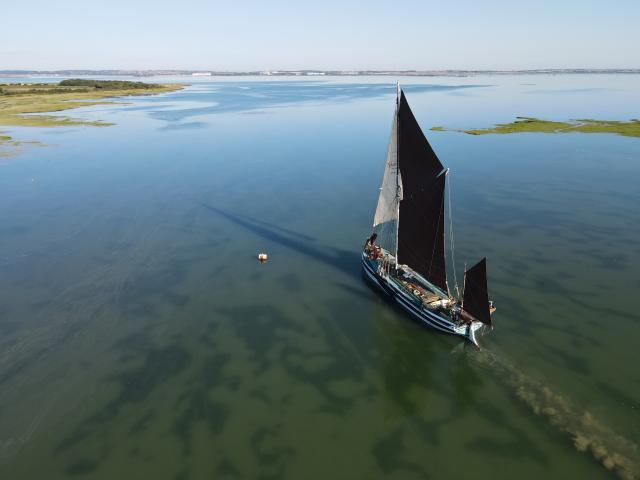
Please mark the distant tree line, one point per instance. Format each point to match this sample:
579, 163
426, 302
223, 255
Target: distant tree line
106, 84
12, 90
74, 85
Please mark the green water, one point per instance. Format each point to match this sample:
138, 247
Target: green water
140, 338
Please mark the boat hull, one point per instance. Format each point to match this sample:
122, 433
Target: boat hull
428, 317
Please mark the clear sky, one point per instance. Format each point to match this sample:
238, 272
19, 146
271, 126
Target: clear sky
327, 34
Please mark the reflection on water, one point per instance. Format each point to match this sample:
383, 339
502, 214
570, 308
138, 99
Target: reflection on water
140, 337
240, 97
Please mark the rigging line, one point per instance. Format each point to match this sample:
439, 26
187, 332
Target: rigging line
453, 256
433, 253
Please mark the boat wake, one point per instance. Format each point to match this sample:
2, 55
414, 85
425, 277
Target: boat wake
616, 453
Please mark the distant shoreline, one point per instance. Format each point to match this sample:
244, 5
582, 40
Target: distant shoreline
318, 73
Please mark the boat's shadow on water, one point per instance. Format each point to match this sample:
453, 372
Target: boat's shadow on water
347, 261
344, 260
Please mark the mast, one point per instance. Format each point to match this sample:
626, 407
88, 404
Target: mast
398, 184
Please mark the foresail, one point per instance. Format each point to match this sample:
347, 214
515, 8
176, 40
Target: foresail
475, 300
387, 209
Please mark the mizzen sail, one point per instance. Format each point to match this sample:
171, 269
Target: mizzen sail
421, 243
475, 300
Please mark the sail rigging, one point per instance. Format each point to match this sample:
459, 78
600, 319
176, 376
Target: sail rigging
451, 240
475, 300
421, 226
409, 231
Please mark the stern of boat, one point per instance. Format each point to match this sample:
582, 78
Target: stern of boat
472, 329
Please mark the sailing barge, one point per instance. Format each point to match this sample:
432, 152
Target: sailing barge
405, 256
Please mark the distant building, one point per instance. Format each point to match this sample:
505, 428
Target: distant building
201, 74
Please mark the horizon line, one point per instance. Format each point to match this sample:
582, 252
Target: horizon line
310, 71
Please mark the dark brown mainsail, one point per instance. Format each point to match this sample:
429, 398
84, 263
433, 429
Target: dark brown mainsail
475, 300
421, 224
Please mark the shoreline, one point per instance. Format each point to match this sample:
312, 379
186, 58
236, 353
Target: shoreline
629, 128
27, 105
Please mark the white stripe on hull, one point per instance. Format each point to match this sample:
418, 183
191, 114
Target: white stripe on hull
430, 318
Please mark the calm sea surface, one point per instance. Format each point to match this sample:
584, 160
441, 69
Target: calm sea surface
140, 338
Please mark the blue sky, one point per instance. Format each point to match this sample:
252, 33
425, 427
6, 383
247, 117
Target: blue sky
287, 34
